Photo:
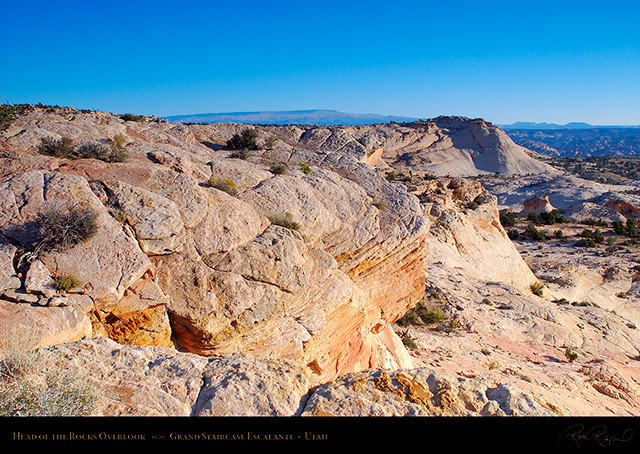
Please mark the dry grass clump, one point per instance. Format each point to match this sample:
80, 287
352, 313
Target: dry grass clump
284, 220
29, 386
64, 282
223, 184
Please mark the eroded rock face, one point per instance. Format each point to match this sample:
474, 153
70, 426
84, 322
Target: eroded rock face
418, 392
178, 262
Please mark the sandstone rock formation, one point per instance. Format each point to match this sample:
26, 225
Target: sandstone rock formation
537, 205
288, 292
177, 262
454, 146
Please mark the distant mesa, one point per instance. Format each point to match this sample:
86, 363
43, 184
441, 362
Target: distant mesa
547, 126
538, 204
294, 117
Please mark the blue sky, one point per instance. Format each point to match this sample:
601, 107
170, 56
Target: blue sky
504, 61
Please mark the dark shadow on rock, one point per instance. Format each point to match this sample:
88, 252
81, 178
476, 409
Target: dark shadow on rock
214, 146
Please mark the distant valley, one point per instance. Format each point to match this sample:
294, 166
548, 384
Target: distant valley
579, 141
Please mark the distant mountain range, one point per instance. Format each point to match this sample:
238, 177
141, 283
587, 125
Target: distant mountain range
299, 117
554, 126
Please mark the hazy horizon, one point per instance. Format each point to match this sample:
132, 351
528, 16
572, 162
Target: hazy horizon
501, 61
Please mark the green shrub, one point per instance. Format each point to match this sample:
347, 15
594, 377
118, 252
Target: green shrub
422, 313
536, 288
595, 236
62, 230
508, 218
305, 168
535, 234
223, 184
547, 218
7, 115
247, 139
409, 343
595, 222
132, 117
570, 355
558, 234
619, 227
64, 148
632, 230
65, 282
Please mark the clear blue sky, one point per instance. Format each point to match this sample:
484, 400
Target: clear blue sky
504, 61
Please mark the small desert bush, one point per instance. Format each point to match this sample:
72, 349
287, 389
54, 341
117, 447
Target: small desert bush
247, 139
59, 229
64, 282
92, 151
64, 148
618, 227
595, 222
424, 313
533, 233
285, 220
536, 288
59, 148
223, 184
570, 355
305, 168
240, 154
596, 235
508, 218
409, 343
7, 115
271, 142
278, 169
119, 141
131, 117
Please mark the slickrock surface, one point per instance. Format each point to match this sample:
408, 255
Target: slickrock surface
453, 146
299, 290
176, 262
